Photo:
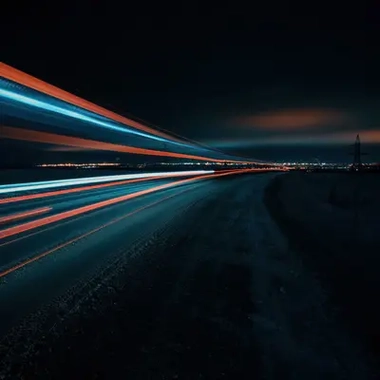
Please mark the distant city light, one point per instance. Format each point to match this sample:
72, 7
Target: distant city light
74, 165
111, 164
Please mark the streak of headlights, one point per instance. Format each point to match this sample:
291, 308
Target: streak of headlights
12, 188
95, 206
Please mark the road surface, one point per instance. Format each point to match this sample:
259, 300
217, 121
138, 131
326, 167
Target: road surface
190, 282
77, 229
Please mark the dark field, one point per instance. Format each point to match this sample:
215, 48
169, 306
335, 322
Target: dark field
333, 222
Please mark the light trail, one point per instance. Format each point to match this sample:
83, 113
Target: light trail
29, 197
12, 188
54, 139
24, 79
23, 215
80, 237
132, 126
76, 115
26, 197
95, 206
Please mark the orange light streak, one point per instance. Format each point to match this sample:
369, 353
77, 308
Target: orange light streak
24, 79
95, 206
50, 251
23, 215
52, 138
42, 255
67, 221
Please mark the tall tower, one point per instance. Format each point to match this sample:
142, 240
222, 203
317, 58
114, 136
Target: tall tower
358, 154
356, 165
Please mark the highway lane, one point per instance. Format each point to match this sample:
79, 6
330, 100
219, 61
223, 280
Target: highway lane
122, 289
19, 220
55, 197
64, 202
41, 265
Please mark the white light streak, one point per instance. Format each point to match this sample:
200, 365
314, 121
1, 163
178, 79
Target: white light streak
13, 188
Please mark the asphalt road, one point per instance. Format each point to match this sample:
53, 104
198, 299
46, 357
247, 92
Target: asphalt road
40, 263
189, 282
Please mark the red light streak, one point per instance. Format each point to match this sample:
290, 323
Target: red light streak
84, 209
52, 138
23, 215
67, 243
24, 79
67, 221
50, 251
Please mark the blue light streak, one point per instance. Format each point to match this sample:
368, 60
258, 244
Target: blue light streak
76, 115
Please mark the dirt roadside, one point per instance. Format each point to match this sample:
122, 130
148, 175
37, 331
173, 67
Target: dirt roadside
216, 295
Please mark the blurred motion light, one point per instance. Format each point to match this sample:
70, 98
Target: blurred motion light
49, 107
4, 189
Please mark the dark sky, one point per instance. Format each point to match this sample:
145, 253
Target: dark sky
271, 82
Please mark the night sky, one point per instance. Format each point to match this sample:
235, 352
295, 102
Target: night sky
274, 82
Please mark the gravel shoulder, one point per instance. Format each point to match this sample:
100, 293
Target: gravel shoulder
217, 293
